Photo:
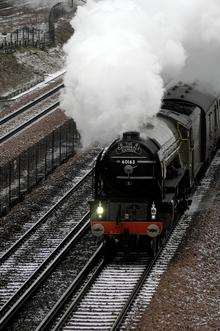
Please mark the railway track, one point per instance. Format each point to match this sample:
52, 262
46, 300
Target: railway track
30, 113
149, 285
105, 296
107, 299
30, 104
79, 260
36, 226
4, 5
29, 122
103, 305
66, 247
33, 251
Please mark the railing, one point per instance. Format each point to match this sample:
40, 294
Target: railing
24, 37
22, 173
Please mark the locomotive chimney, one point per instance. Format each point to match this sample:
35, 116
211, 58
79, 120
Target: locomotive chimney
131, 135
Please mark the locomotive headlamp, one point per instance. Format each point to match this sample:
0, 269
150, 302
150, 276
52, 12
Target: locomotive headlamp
153, 211
100, 210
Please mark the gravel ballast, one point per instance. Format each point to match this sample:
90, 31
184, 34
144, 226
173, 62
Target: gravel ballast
187, 297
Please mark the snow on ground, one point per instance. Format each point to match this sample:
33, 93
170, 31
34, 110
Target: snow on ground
28, 65
42, 62
48, 79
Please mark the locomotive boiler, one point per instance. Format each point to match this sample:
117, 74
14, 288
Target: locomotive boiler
143, 178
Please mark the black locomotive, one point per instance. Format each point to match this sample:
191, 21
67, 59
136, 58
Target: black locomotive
143, 178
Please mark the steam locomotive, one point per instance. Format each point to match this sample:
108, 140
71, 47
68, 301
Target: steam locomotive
143, 178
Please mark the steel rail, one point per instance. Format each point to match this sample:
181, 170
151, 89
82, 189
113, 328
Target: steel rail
28, 288
30, 104
121, 316
47, 322
28, 122
27, 234
118, 322
72, 288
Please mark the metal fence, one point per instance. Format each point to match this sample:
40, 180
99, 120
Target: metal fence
24, 37
21, 174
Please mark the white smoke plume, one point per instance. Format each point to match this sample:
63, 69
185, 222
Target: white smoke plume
124, 52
